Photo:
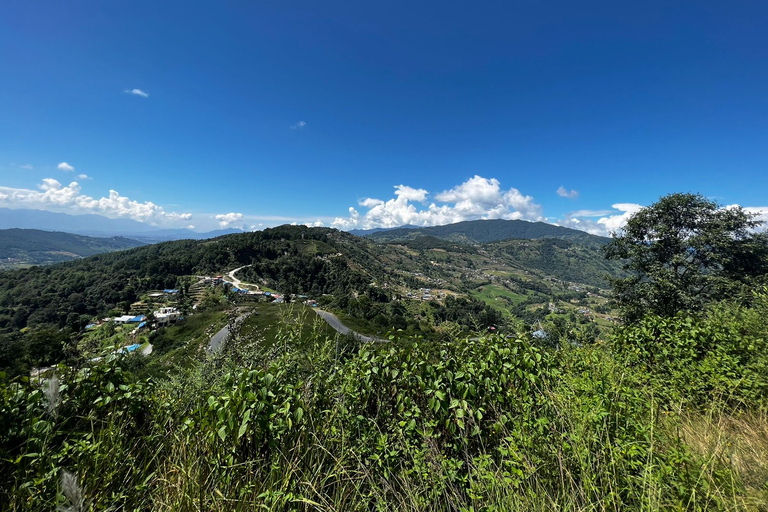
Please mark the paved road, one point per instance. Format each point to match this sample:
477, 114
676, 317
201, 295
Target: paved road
334, 322
218, 339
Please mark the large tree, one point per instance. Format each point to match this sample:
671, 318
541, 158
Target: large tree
684, 251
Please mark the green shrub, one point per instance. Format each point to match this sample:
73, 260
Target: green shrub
721, 354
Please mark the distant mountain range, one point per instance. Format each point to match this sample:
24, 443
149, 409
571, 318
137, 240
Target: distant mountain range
485, 231
366, 232
99, 226
19, 247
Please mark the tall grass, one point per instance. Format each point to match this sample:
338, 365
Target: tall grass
308, 423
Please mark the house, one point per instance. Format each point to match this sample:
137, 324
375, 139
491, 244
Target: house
166, 316
120, 320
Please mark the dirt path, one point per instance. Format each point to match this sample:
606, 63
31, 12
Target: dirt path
236, 281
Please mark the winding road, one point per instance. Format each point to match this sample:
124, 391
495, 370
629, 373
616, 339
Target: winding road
236, 281
218, 339
339, 327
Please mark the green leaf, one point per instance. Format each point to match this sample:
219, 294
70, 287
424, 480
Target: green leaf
244, 424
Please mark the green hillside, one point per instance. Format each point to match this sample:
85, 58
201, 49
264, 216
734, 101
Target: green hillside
488, 385
486, 231
416, 285
20, 247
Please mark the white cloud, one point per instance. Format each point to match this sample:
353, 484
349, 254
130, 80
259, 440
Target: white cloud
227, 219
411, 194
760, 213
476, 198
298, 126
54, 196
590, 213
137, 92
609, 221
570, 194
26, 166
83, 177
64, 166
348, 223
613, 222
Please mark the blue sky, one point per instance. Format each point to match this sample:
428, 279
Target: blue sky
263, 113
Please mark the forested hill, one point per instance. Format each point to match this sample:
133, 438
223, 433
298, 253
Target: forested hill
486, 231
71, 293
33, 246
291, 260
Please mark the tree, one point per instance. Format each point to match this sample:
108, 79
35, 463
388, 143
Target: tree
684, 251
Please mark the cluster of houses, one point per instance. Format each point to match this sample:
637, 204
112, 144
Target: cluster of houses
163, 317
422, 294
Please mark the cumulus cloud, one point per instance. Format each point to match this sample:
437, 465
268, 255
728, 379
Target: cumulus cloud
83, 177
227, 219
137, 92
298, 126
476, 198
570, 194
52, 195
608, 221
350, 222
613, 222
761, 213
64, 166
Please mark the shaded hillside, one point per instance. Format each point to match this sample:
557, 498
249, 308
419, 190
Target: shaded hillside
32, 246
562, 259
486, 231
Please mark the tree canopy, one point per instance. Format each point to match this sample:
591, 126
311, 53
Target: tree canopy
685, 251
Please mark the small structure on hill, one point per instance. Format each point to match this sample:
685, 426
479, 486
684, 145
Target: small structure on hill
166, 316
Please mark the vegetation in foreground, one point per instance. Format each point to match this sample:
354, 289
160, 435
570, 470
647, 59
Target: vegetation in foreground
490, 423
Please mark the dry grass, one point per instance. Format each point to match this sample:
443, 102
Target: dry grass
738, 442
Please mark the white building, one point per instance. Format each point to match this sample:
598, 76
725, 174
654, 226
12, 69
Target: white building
166, 316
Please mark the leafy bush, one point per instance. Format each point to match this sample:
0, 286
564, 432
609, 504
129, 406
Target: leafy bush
488, 423
721, 354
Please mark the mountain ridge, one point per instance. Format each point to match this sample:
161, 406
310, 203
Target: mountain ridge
488, 231
93, 225
20, 246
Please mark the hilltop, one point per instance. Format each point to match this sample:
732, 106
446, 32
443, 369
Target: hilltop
486, 231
